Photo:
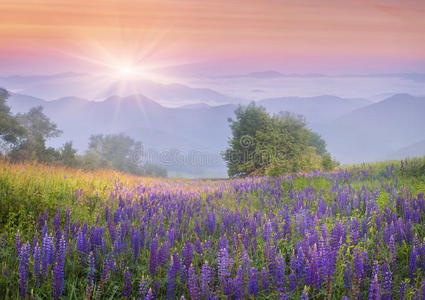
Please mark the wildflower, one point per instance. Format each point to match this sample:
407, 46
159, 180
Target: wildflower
37, 262
23, 269
375, 289
127, 284
193, 283
143, 287
172, 272
91, 269
224, 264
58, 269
152, 261
149, 295
205, 278
253, 282
18, 243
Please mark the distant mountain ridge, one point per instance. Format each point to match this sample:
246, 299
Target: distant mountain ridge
91, 87
320, 109
270, 74
377, 130
354, 129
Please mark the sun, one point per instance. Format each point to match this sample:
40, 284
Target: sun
126, 72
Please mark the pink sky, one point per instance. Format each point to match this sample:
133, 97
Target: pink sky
329, 36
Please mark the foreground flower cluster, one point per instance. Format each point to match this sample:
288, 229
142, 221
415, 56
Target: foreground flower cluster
346, 234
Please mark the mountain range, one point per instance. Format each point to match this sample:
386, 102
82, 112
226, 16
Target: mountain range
174, 119
354, 129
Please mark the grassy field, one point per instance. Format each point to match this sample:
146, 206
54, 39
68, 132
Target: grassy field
356, 232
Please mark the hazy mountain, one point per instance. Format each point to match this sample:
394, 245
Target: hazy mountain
353, 130
414, 150
375, 131
203, 129
319, 109
50, 87
270, 74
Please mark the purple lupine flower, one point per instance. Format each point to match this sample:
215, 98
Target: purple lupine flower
111, 228
126, 291
205, 279
92, 269
135, 243
312, 268
238, 284
348, 273
187, 254
82, 246
253, 282
34, 242
387, 278
37, 263
270, 259
172, 273
45, 230
149, 295
18, 243
267, 231
58, 269
162, 254
413, 264
402, 289
198, 247
193, 286
359, 267
143, 287
23, 269
292, 281
264, 279
375, 289
152, 259
280, 270
304, 295
392, 250
224, 264
47, 253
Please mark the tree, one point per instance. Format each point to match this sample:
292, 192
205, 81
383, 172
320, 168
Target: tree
10, 129
272, 145
68, 155
240, 157
38, 128
119, 152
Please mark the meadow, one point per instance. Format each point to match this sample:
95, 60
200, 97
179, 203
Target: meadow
353, 233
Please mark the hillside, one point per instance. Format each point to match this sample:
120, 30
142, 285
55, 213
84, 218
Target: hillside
319, 109
377, 130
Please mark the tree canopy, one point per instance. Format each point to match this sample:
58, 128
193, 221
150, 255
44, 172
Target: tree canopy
120, 152
38, 128
10, 128
273, 145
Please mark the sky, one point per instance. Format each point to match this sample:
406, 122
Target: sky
226, 36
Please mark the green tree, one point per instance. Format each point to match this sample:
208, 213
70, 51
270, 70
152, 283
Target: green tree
68, 155
10, 129
241, 156
38, 128
120, 152
272, 145
318, 143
